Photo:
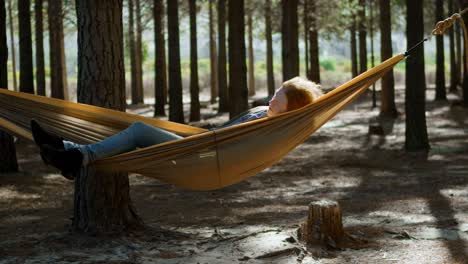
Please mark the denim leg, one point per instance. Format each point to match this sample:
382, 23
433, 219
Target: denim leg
138, 135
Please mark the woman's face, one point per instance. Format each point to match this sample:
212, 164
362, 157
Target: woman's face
278, 103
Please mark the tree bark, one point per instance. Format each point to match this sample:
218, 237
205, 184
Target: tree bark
269, 49
58, 70
459, 52
12, 45
453, 63
160, 84
176, 110
102, 200
371, 31
353, 47
251, 67
26, 83
133, 59
238, 91
362, 37
416, 132
139, 55
314, 45
440, 61
213, 56
222, 72
194, 88
306, 37
289, 39
8, 161
387, 95
463, 5
39, 33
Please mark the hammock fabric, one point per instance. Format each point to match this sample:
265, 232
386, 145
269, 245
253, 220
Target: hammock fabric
203, 160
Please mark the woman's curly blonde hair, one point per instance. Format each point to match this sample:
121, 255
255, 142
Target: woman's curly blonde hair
300, 92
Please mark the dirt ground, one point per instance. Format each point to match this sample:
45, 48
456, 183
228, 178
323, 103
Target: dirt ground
399, 207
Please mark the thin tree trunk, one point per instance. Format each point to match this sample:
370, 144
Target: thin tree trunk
102, 200
416, 132
160, 83
213, 55
463, 5
289, 39
362, 37
440, 61
251, 67
139, 55
314, 45
459, 52
306, 38
269, 49
353, 46
133, 59
8, 161
194, 88
222, 72
238, 91
371, 31
26, 83
40, 72
12, 45
176, 110
453, 64
387, 95
58, 70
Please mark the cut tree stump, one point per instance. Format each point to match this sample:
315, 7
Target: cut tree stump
323, 224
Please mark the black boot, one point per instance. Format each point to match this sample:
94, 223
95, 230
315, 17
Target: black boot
68, 161
42, 137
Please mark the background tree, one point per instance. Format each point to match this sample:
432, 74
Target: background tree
8, 162
440, 64
222, 72
133, 59
314, 45
194, 88
463, 5
269, 49
26, 83
362, 36
139, 53
101, 82
353, 47
160, 84
289, 39
371, 31
12, 44
213, 55
453, 62
40, 72
238, 91
58, 69
305, 17
387, 95
416, 132
176, 110
251, 68
458, 51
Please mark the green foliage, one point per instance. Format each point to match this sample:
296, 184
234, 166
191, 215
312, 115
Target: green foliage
328, 64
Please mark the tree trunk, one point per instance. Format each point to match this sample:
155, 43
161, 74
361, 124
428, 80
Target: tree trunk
40, 72
160, 84
453, 63
238, 91
362, 37
463, 5
8, 162
371, 31
387, 95
222, 72
440, 62
176, 110
459, 53
354, 59
194, 88
58, 70
26, 83
213, 55
416, 131
251, 55
306, 37
102, 200
131, 45
12, 45
139, 56
289, 39
314, 45
269, 49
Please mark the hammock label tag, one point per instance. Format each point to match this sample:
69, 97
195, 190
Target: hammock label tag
208, 154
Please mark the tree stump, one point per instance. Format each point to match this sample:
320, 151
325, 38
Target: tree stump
323, 225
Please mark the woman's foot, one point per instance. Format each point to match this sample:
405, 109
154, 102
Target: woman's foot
68, 161
42, 137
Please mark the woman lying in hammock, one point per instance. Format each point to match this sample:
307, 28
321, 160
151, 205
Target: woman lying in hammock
68, 156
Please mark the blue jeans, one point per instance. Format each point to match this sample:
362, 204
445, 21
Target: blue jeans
138, 135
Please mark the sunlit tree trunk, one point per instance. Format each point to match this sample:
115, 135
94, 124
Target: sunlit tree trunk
269, 49
416, 132
26, 83
251, 67
314, 45
40, 72
222, 72
194, 88
440, 62
160, 83
139, 54
12, 45
289, 39
8, 162
238, 91
362, 37
213, 56
58, 69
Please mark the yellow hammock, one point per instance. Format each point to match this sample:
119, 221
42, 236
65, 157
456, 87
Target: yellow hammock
203, 160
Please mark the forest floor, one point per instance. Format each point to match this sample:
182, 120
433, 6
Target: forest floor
399, 207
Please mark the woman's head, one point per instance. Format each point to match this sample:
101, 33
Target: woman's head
293, 94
